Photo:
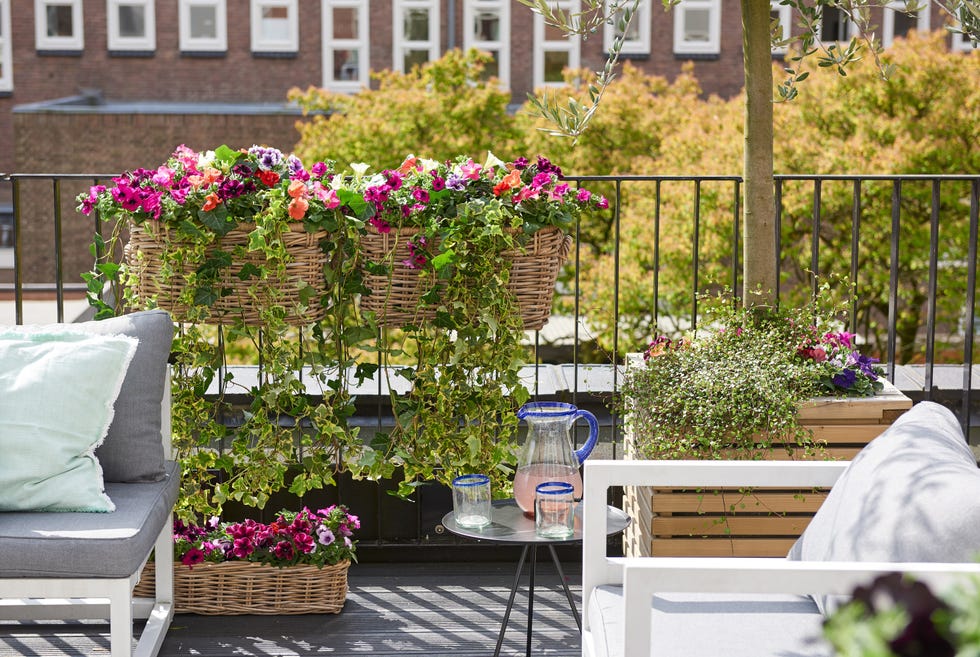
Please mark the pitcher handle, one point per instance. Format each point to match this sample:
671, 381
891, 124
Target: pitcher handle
586, 449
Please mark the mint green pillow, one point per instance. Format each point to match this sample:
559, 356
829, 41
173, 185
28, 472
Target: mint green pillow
57, 391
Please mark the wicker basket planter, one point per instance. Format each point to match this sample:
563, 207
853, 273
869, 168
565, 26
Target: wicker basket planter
144, 256
233, 588
396, 299
762, 522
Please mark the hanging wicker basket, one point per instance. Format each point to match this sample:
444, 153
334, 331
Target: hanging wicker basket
396, 299
233, 588
239, 297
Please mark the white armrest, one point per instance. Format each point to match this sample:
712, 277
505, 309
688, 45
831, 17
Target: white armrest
597, 569
642, 577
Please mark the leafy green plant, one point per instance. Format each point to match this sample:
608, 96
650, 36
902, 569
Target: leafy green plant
734, 387
194, 200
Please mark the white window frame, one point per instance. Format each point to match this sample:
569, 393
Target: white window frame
147, 42
710, 47
220, 41
41, 39
570, 44
500, 46
641, 19
362, 43
888, 22
288, 45
401, 44
961, 43
6, 52
785, 21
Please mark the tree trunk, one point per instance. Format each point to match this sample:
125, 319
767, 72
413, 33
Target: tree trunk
759, 211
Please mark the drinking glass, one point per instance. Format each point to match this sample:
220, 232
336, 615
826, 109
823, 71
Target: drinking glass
554, 509
471, 500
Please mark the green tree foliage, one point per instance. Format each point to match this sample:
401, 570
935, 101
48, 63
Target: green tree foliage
439, 110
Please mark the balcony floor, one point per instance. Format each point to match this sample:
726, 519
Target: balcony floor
433, 609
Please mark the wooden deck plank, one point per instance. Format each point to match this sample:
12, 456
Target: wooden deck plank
438, 610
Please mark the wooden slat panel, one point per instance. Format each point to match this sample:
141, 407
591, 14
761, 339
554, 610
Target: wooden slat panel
846, 434
720, 547
695, 526
757, 502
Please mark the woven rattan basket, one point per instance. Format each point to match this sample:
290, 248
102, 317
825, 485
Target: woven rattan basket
396, 299
147, 245
233, 588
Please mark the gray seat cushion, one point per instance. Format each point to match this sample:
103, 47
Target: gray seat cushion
713, 625
132, 450
912, 494
89, 544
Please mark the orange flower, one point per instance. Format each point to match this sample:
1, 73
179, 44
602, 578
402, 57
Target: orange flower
408, 164
211, 175
297, 189
211, 201
298, 208
510, 181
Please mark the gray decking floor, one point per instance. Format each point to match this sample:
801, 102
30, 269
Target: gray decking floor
441, 609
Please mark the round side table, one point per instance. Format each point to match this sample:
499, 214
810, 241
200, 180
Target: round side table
510, 525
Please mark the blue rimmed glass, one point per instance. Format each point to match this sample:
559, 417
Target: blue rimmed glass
554, 509
471, 500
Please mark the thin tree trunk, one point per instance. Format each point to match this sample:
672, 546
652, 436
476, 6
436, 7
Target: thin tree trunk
759, 212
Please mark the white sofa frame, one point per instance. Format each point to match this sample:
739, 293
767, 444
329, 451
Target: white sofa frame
45, 599
641, 577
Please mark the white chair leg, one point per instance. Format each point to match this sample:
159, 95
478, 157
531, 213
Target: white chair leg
121, 619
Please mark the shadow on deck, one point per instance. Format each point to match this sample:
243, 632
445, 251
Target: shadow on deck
433, 609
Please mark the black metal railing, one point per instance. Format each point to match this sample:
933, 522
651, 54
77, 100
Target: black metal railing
907, 243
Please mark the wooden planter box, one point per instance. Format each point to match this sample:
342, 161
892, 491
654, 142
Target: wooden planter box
760, 522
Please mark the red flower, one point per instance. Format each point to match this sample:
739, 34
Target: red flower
270, 178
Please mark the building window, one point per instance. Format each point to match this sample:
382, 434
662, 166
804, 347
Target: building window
345, 44
416, 30
697, 27
275, 26
553, 51
6, 56
487, 28
637, 41
131, 25
58, 25
898, 23
784, 16
203, 26
961, 43
835, 26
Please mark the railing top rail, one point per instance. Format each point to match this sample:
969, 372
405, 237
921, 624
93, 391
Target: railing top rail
8, 177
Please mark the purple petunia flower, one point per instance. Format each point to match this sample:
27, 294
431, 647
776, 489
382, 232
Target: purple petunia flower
520, 163
438, 183
324, 535
456, 182
268, 158
845, 378
420, 195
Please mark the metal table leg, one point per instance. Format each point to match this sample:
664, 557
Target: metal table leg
510, 603
564, 585
530, 597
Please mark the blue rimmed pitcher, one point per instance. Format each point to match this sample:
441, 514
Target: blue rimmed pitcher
548, 454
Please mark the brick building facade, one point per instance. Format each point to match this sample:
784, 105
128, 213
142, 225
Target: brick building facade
107, 85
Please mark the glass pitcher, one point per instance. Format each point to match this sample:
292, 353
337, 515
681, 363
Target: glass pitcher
547, 454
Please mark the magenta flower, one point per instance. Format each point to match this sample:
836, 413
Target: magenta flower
192, 557
583, 195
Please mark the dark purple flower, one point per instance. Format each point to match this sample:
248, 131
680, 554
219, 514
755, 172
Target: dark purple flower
845, 378
545, 166
520, 163
438, 184
231, 188
192, 557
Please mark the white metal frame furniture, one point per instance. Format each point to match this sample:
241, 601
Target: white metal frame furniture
641, 578
142, 522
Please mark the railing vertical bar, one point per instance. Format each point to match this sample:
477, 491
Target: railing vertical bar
893, 276
695, 262
735, 240
577, 289
815, 241
59, 274
971, 299
617, 227
931, 293
18, 255
855, 251
778, 231
656, 260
